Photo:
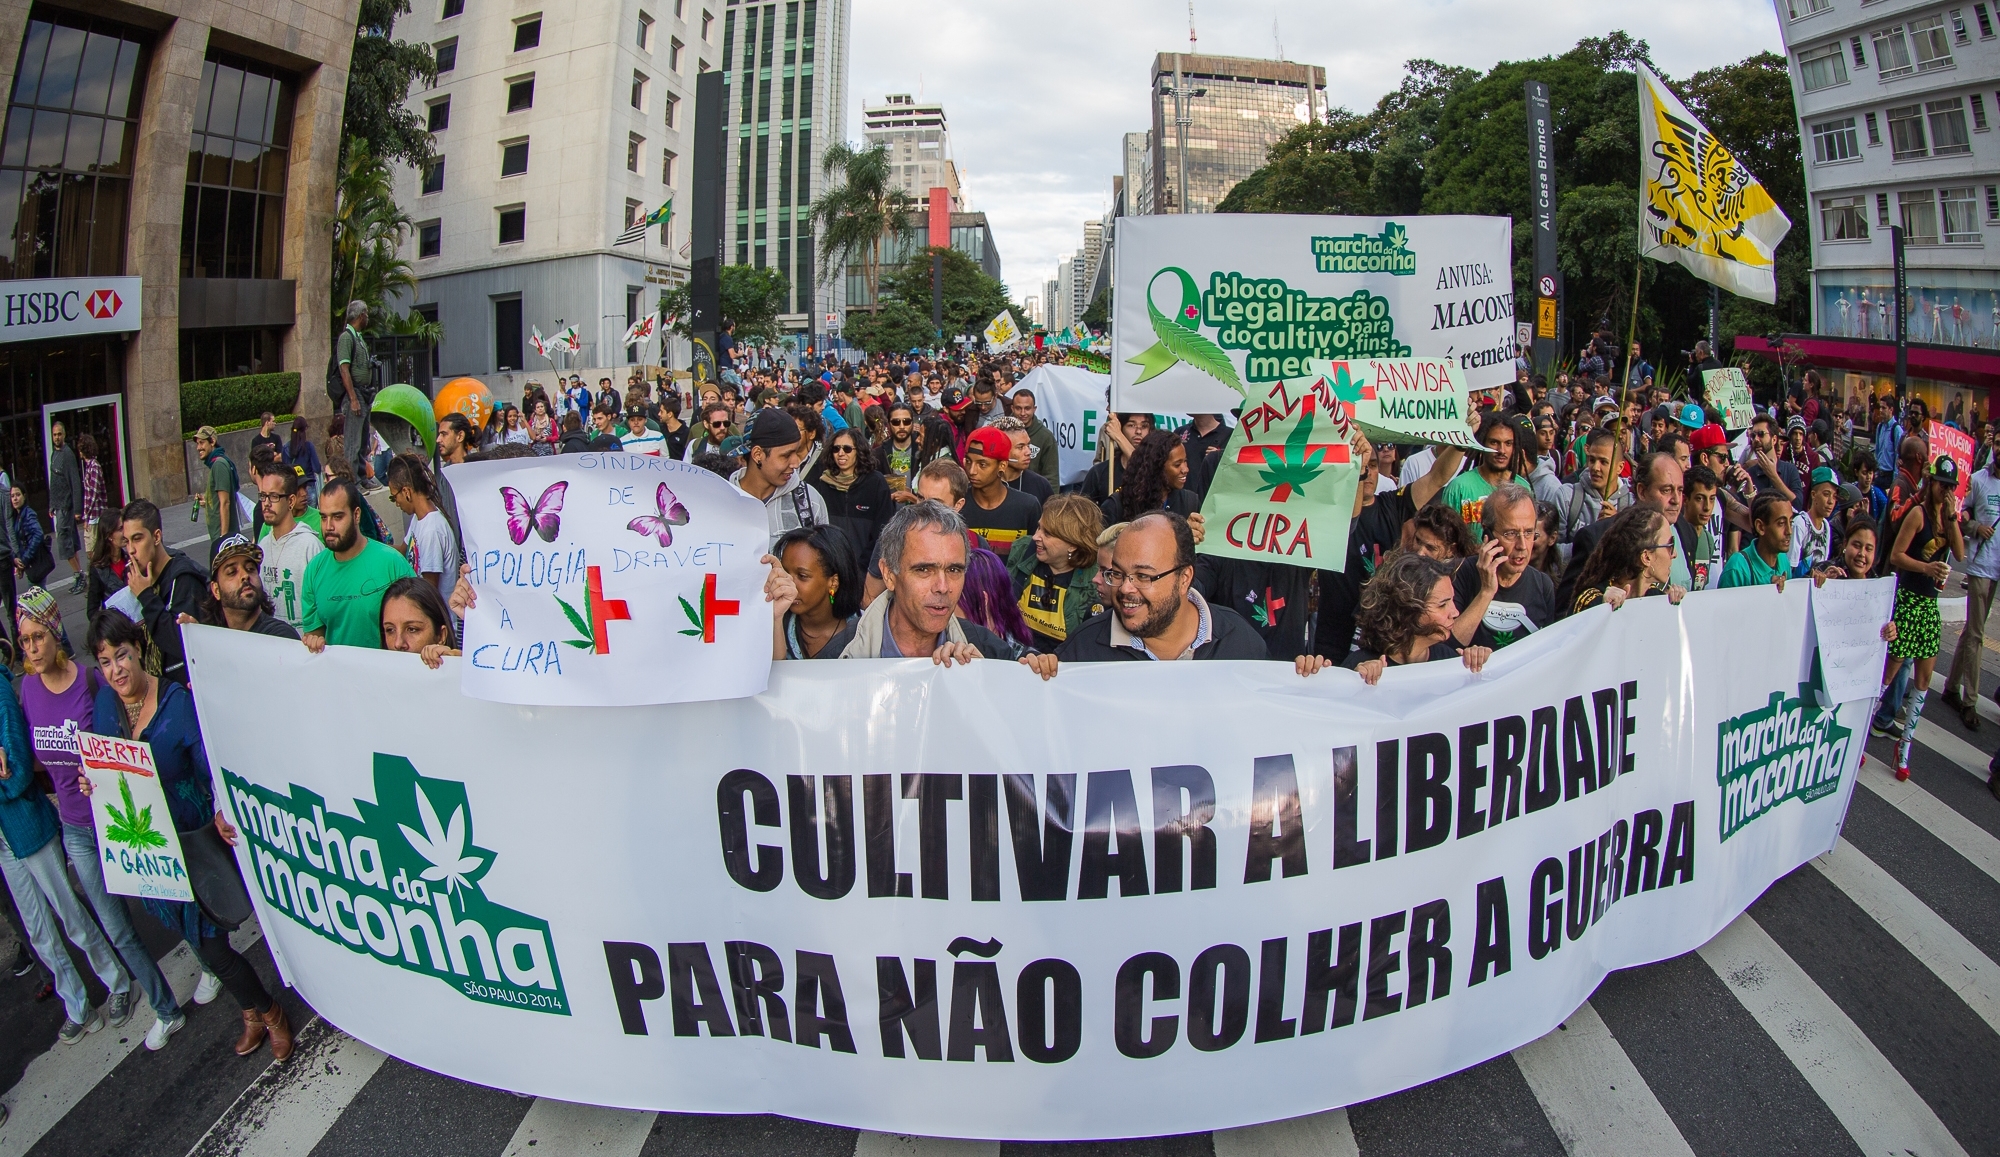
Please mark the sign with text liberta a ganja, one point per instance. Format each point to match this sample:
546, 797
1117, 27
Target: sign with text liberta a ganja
611, 579
67, 306
139, 850
1210, 309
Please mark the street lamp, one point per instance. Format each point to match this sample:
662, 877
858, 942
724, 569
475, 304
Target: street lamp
1183, 98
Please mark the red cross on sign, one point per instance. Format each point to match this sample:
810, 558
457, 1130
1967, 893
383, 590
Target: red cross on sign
712, 606
1336, 452
603, 611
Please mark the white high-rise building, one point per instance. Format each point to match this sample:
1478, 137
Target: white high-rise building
919, 145
786, 65
553, 133
1032, 306
1050, 293
1062, 294
1137, 199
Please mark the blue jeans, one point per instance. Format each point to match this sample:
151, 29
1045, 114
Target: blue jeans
1892, 695
50, 911
81, 844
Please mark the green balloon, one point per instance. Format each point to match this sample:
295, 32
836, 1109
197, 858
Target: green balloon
409, 404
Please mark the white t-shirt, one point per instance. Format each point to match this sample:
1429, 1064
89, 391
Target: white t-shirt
432, 548
650, 442
1811, 546
284, 569
1982, 502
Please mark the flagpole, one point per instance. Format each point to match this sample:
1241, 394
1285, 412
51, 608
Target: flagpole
1631, 336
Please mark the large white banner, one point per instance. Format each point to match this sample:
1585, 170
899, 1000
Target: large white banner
1070, 401
1168, 898
1208, 305
611, 579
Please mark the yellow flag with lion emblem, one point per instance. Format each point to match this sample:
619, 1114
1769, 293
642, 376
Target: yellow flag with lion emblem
1698, 205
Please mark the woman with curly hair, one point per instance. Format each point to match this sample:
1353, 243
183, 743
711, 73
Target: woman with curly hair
1406, 615
1634, 558
857, 496
1155, 479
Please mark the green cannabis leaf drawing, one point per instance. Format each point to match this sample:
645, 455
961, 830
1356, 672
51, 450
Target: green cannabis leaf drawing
1295, 465
1181, 340
694, 617
133, 826
1396, 235
581, 624
442, 845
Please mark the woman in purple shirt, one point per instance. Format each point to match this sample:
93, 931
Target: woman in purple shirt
57, 695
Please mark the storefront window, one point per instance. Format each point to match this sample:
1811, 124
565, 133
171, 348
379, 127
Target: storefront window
66, 151
233, 220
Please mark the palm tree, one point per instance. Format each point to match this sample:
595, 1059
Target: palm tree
855, 217
368, 233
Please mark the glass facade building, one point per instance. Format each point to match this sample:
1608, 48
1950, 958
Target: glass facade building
233, 218
1246, 106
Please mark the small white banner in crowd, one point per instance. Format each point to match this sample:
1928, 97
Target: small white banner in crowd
1174, 897
611, 579
136, 840
1207, 306
1070, 401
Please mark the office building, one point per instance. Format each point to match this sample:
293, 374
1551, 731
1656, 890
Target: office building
918, 142
1050, 312
1244, 108
166, 189
970, 235
786, 66
555, 130
1897, 103
1136, 189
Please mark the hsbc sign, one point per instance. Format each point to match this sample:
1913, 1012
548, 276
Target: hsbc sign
67, 306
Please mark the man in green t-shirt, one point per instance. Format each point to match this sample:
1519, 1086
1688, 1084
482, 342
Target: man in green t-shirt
218, 498
1467, 492
357, 376
344, 583
1767, 558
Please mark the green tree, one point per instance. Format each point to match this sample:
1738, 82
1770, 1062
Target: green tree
752, 297
858, 216
971, 298
1099, 314
894, 327
368, 234
378, 86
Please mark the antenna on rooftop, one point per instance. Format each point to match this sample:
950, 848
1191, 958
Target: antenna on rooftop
1277, 41
1192, 45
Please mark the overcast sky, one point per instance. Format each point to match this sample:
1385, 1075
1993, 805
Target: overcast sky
1038, 94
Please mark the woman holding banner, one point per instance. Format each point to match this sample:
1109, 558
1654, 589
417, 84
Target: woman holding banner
1634, 558
1406, 616
136, 704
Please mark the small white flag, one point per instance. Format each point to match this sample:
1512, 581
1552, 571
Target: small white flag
643, 329
1001, 333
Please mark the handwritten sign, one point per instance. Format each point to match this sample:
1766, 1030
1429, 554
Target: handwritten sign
1405, 400
136, 841
1729, 391
1947, 442
611, 580
1847, 618
1284, 490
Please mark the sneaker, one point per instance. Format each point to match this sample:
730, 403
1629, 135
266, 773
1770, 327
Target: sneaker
72, 1032
118, 1009
76, 587
1890, 730
156, 1037
24, 961
1902, 773
208, 989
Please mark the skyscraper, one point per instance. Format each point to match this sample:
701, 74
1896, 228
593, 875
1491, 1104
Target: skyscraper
919, 145
1137, 199
1244, 107
786, 68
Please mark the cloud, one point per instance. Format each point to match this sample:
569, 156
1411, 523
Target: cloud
1039, 94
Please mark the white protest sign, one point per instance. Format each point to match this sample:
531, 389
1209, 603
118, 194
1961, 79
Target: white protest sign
611, 579
1404, 400
1729, 391
1069, 400
136, 840
1206, 306
851, 899
1847, 619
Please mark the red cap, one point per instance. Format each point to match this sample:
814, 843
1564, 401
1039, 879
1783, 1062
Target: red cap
991, 443
1706, 437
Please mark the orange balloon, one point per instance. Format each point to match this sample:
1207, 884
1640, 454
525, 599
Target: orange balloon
468, 396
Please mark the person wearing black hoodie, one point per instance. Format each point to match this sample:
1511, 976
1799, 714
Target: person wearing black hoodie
857, 496
1156, 612
168, 584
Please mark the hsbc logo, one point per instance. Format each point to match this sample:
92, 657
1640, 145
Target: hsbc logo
64, 306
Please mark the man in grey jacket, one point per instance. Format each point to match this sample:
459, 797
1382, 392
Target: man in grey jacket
65, 501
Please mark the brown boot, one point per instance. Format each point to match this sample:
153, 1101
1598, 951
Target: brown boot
253, 1033
280, 1030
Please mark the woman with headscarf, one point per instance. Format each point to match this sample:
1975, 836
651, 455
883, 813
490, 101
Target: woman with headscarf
58, 698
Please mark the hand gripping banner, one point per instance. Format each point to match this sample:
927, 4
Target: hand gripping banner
1175, 897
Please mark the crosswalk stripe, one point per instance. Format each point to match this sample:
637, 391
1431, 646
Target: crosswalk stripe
1961, 835
1988, 710
1592, 1094
289, 1107
555, 1128
1315, 1135
1929, 937
1969, 758
867, 1144
55, 1081
1872, 1101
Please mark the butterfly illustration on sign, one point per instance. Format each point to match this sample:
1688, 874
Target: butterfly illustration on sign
543, 517
661, 525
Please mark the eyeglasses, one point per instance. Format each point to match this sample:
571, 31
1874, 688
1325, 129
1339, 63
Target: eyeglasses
1667, 545
901, 422
1514, 535
843, 449
1118, 578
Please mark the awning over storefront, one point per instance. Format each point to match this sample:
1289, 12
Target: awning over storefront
1967, 367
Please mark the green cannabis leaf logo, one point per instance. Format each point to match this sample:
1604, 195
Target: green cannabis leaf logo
133, 826
1181, 339
1396, 236
443, 847
1295, 465
581, 624
694, 617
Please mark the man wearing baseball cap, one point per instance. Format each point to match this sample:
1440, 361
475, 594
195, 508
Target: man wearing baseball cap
236, 588
1812, 527
997, 511
772, 450
961, 413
